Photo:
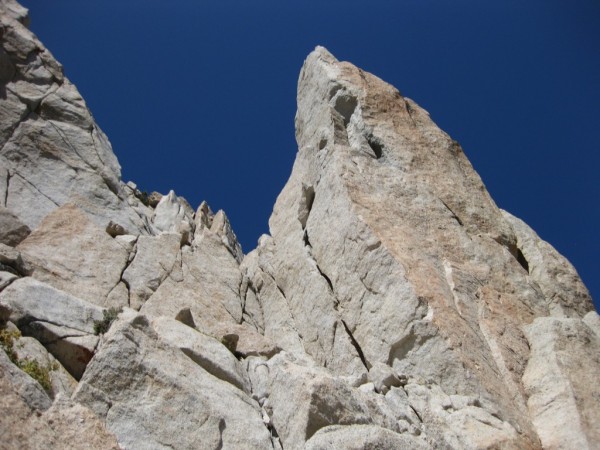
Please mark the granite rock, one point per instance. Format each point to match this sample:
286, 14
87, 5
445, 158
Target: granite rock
391, 305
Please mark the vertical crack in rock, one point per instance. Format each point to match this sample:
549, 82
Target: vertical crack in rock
306, 240
375, 144
244, 287
121, 279
8, 175
517, 253
327, 279
460, 222
522, 260
323, 275
294, 327
416, 413
272, 430
305, 205
410, 111
361, 355
243, 294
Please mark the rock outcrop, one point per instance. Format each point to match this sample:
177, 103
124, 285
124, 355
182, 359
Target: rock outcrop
393, 304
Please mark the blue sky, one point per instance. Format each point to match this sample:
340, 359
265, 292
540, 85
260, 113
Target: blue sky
199, 96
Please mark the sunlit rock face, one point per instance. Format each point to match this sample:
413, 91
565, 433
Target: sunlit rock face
393, 304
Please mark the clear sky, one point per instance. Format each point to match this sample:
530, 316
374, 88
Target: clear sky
199, 96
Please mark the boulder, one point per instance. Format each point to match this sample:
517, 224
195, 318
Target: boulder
63, 323
12, 230
149, 391
210, 354
71, 253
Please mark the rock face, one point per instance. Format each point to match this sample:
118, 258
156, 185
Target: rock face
393, 304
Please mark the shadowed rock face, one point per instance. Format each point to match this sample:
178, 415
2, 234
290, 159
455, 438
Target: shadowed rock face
393, 304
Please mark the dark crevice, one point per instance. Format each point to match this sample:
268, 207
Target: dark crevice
306, 203
516, 252
334, 90
460, 222
522, 260
410, 111
361, 355
127, 264
274, 435
280, 291
27, 323
9, 269
7, 186
345, 104
305, 239
376, 146
58, 339
222, 426
243, 296
416, 413
329, 283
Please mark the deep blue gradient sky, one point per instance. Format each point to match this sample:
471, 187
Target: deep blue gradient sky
199, 96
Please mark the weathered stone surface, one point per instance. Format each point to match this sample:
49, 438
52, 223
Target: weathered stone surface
393, 305
173, 214
383, 377
51, 150
155, 258
359, 437
221, 227
28, 348
89, 433
557, 278
248, 341
319, 400
6, 278
63, 323
11, 261
206, 280
22, 385
30, 299
73, 254
150, 392
449, 421
423, 274
561, 380
29, 421
12, 230
207, 352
